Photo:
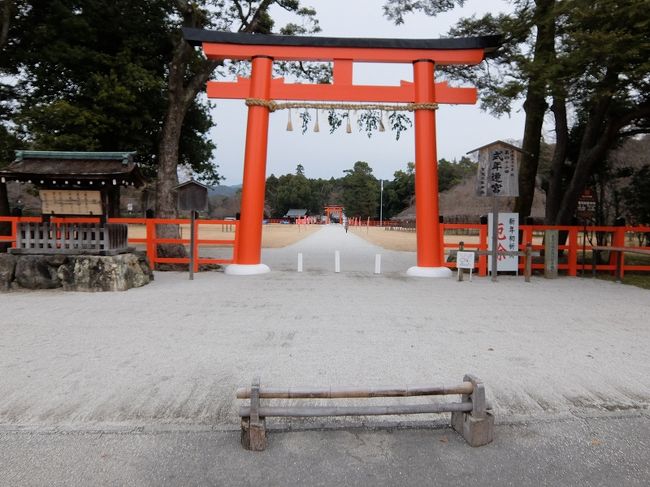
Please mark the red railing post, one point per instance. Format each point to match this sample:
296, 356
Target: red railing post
573, 251
482, 245
527, 238
14, 231
618, 240
151, 242
195, 249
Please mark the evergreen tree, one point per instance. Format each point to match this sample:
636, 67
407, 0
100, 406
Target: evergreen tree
585, 57
360, 191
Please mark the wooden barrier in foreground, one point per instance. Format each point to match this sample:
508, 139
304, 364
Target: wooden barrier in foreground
470, 417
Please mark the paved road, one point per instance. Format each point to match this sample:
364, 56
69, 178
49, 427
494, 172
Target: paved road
357, 254
608, 451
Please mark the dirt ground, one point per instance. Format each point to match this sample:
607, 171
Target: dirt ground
273, 235
402, 240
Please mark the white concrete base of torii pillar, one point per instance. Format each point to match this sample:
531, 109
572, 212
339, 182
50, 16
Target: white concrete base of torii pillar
437, 272
247, 269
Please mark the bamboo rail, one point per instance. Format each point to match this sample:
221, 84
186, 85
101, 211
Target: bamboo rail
355, 392
319, 411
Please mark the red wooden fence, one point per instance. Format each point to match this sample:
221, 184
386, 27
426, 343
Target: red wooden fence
615, 236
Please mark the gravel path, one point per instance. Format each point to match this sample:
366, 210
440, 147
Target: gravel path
173, 352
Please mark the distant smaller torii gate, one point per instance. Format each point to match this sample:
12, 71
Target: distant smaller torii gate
334, 210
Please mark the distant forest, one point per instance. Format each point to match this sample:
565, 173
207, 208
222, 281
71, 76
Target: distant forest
358, 190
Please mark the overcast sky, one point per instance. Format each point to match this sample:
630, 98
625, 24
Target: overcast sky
459, 127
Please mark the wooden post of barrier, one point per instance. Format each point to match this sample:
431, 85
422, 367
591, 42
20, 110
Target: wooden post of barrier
477, 427
253, 428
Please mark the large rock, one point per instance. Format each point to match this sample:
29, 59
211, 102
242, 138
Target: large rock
7, 271
105, 273
39, 271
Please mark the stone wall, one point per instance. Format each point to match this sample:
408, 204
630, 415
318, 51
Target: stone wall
74, 272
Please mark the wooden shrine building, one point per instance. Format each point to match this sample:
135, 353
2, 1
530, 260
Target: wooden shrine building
75, 185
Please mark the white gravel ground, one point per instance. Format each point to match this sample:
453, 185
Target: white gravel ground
173, 352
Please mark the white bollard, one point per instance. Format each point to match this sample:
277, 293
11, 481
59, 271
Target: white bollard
377, 263
337, 261
299, 261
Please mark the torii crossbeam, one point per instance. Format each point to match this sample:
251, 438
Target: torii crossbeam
423, 92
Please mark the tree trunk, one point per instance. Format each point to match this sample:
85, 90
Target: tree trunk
555, 187
167, 176
596, 141
5, 20
180, 98
5, 228
535, 105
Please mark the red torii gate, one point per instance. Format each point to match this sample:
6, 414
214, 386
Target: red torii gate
423, 93
334, 210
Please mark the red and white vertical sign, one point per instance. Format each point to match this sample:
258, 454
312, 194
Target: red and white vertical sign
507, 241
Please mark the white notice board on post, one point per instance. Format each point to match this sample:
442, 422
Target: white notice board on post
465, 260
508, 241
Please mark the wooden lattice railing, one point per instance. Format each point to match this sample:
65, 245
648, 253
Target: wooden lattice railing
70, 238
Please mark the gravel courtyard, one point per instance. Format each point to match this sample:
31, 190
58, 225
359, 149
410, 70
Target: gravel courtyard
172, 353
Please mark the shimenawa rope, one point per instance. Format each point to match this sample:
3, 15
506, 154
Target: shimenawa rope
274, 106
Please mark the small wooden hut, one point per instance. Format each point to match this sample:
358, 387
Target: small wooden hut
74, 184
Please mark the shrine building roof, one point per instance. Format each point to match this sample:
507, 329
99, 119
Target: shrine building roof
75, 168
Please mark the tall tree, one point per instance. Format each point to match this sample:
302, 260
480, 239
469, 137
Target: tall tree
400, 192
360, 191
189, 71
516, 72
98, 76
90, 75
588, 58
452, 173
12, 13
603, 66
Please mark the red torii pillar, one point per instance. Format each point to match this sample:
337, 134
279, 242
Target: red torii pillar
262, 50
